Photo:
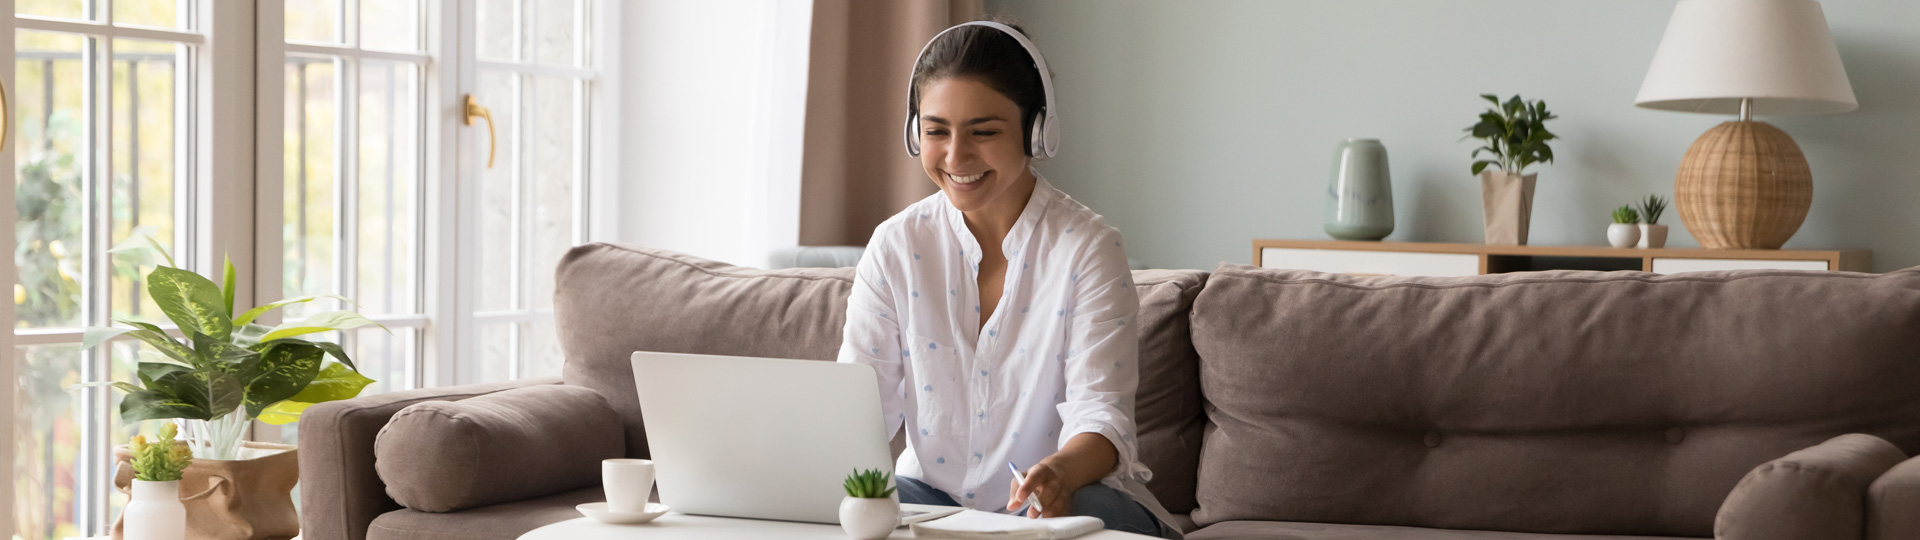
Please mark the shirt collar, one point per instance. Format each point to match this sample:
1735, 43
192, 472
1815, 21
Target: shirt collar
1023, 228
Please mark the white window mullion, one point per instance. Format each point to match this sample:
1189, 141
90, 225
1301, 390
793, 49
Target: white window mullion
95, 439
9, 274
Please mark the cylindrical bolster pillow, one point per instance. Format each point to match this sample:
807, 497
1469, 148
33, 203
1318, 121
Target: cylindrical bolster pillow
444, 456
1819, 492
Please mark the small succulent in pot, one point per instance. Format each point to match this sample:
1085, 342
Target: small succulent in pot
1651, 209
162, 460
1626, 215
869, 511
1652, 233
1625, 230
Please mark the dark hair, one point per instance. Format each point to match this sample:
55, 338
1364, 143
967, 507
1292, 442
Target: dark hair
992, 57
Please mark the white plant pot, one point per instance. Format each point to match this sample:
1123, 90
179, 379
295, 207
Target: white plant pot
155, 512
1623, 235
869, 519
1653, 236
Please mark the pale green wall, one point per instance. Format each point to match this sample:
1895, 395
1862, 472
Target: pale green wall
1197, 126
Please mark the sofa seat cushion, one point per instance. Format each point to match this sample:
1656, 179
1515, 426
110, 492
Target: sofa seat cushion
1287, 530
1545, 402
445, 456
506, 521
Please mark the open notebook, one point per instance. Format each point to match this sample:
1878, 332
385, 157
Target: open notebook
977, 525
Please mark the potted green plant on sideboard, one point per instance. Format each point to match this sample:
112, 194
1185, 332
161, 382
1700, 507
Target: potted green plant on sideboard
1514, 136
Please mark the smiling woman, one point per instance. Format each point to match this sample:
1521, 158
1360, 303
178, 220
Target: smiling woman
1029, 359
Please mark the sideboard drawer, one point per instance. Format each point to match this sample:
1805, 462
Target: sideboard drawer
1396, 263
1674, 265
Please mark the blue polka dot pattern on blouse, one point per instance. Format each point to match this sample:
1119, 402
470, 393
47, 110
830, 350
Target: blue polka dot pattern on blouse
932, 345
1069, 230
916, 256
942, 460
976, 309
876, 350
927, 388
983, 373
923, 432
916, 294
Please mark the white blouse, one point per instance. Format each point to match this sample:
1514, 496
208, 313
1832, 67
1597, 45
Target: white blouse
1057, 358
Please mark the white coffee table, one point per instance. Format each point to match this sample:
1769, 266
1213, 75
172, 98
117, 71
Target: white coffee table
677, 526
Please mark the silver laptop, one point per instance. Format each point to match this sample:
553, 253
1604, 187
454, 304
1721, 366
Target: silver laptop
761, 438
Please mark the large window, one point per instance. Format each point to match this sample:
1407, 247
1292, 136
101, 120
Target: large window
101, 97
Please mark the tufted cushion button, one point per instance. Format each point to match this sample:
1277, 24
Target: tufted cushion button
1675, 435
1432, 439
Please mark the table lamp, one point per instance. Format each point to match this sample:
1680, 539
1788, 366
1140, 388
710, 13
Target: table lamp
1745, 184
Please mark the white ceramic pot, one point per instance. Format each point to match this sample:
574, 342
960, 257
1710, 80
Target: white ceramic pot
869, 519
1653, 236
1623, 235
155, 512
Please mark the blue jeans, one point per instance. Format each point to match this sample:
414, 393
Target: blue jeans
1119, 511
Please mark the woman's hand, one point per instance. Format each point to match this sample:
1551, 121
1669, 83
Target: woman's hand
1083, 460
1044, 482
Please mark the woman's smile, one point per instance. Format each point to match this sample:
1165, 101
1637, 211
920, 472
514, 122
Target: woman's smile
966, 183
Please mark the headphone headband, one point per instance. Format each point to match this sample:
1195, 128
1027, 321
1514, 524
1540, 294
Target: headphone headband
1045, 137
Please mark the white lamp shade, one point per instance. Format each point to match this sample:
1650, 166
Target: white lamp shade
1777, 52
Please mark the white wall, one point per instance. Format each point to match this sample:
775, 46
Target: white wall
1198, 126
713, 97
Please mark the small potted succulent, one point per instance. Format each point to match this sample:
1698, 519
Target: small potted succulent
1652, 233
155, 511
1625, 230
870, 510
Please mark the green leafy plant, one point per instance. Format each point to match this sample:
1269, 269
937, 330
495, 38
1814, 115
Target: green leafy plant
869, 484
228, 364
1652, 208
1515, 134
162, 461
1626, 215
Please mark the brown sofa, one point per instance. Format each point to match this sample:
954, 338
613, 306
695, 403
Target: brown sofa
1301, 405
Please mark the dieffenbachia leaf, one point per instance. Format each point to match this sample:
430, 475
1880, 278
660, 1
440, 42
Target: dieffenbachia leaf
255, 313
151, 405
323, 322
227, 286
191, 300
154, 337
142, 238
334, 383
96, 335
284, 370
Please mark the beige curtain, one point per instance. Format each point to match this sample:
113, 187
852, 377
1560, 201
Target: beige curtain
855, 172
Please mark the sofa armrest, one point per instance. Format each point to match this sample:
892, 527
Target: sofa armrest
340, 491
1893, 503
1819, 492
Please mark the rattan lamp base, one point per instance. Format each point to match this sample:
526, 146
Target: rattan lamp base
1743, 185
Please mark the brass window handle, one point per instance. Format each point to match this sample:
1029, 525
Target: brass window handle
473, 109
6, 118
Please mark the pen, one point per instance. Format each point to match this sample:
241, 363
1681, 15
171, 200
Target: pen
1032, 500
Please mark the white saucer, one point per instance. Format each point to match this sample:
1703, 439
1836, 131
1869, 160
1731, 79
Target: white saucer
599, 512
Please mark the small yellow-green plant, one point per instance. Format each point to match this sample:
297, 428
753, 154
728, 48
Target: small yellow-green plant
1651, 208
1626, 215
161, 461
871, 484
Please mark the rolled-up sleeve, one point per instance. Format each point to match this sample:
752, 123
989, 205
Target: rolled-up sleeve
872, 332
1102, 363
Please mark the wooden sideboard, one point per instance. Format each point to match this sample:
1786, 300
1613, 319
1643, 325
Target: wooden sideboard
1434, 259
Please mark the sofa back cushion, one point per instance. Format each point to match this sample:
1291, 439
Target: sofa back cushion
1167, 409
611, 300
1553, 402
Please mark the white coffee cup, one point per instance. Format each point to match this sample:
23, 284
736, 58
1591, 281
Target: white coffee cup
628, 483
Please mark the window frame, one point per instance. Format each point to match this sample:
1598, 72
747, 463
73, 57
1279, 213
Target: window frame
214, 205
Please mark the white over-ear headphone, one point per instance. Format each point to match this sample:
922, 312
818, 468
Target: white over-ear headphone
1046, 130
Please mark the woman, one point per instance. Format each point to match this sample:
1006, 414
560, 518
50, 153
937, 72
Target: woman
998, 312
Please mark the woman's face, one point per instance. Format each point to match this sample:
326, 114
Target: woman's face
971, 144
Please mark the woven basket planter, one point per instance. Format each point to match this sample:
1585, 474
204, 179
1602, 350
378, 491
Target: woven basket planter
1743, 185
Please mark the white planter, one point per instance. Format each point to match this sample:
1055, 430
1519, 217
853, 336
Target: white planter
155, 512
869, 519
1623, 235
1653, 236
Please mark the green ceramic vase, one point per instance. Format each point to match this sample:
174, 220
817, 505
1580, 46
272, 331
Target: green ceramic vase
1360, 196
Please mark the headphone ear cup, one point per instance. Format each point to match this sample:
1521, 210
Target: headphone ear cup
1037, 146
1050, 137
912, 135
